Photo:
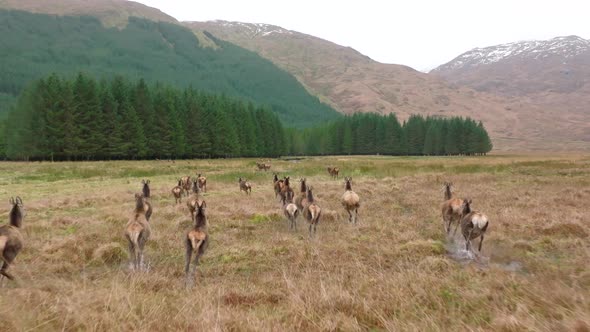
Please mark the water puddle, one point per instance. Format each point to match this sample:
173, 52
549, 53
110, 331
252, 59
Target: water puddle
456, 250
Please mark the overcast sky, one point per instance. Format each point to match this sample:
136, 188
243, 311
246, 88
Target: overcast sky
419, 33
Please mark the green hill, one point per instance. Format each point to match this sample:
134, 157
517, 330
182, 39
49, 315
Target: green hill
35, 45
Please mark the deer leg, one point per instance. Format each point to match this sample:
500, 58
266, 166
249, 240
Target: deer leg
310, 226
480, 242
456, 226
468, 240
349, 216
132, 253
356, 215
189, 253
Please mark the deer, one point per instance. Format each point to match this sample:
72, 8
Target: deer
146, 188
186, 184
196, 241
301, 200
451, 208
277, 184
202, 182
473, 224
177, 192
286, 189
263, 166
312, 212
333, 171
195, 199
245, 186
11, 239
350, 200
137, 232
291, 211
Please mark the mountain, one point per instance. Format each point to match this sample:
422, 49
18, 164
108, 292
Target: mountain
352, 82
559, 65
35, 45
551, 75
112, 13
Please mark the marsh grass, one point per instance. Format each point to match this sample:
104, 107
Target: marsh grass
395, 270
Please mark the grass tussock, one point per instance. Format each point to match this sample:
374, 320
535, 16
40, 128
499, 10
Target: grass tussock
395, 270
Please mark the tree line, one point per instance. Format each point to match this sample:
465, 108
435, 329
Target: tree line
368, 133
60, 118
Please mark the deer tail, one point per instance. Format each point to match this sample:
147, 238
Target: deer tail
3, 240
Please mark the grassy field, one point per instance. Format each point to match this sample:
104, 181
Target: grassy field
396, 270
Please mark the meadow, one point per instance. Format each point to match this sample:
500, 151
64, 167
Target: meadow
396, 270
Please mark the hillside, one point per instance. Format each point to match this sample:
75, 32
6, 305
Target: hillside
112, 13
553, 75
352, 82
558, 65
35, 45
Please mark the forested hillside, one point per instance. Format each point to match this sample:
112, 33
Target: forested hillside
35, 45
83, 119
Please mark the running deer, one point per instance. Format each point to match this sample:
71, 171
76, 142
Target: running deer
350, 200
301, 200
245, 186
473, 224
333, 171
291, 211
202, 182
286, 189
137, 232
195, 199
186, 184
146, 188
11, 239
177, 192
277, 184
451, 208
196, 241
312, 212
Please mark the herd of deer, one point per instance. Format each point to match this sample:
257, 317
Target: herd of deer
137, 231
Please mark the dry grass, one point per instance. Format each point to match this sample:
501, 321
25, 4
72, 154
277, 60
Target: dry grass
391, 272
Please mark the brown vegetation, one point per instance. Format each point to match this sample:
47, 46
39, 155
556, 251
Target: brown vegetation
393, 271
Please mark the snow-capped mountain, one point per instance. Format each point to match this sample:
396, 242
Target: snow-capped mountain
561, 47
561, 65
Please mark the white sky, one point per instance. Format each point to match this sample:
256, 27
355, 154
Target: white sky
418, 33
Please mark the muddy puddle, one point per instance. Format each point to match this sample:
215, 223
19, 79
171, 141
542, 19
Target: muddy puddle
455, 247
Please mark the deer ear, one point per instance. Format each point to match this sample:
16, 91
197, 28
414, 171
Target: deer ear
11, 200
203, 204
19, 200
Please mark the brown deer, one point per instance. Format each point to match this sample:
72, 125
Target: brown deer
245, 186
195, 199
286, 189
350, 200
333, 171
186, 184
277, 184
177, 192
146, 188
312, 212
202, 182
301, 200
137, 232
451, 208
263, 166
196, 241
473, 224
291, 212
11, 239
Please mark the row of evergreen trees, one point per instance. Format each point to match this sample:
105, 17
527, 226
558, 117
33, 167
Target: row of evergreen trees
83, 119
377, 134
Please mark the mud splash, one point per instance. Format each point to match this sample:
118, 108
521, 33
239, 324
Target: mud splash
455, 246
